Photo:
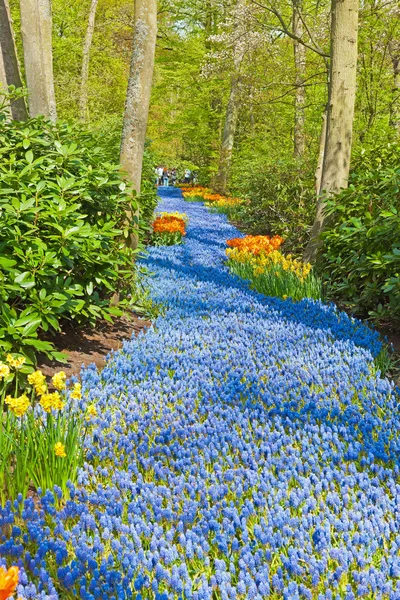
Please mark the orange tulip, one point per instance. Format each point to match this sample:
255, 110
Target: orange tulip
256, 244
169, 224
8, 582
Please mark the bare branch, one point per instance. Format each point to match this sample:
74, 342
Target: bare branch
288, 32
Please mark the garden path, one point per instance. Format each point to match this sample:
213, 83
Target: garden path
241, 449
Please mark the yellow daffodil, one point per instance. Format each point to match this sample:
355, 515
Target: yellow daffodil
4, 370
51, 402
19, 405
59, 450
40, 390
15, 363
91, 411
59, 380
77, 391
38, 380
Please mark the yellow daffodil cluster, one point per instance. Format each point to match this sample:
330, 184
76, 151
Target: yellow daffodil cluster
38, 381
194, 192
15, 362
227, 203
76, 391
19, 405
176, 215
59, 381
51, 402
59, 450
48, 401
267, 261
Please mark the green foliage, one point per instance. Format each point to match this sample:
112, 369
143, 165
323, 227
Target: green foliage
62, 222
110, 135
387, 361
276, 281
281, 201
362, 245
166, 238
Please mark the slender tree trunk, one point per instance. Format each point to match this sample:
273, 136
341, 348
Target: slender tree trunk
300, 70
340, 115
232, 111
83, 97
9, 67
138, 94
208, 22
228, 136
395, 103
322, 141
36, 27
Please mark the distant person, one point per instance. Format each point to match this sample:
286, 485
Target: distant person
174, 176
156, 178
165, 177
187, 176
194, 178
160, 171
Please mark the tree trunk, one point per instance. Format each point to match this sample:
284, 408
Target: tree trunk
228, 136
138, 94
232, 111
322, 141
36, 27
9, 67
83, 97
340, 115
300, 70
395, 103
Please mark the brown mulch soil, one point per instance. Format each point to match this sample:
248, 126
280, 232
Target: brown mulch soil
393, 336
91, 345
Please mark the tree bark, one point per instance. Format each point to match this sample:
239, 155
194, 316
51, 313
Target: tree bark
138, 95
36, 27
300, 70
232, 111
340, 115
9, 67
322, 141
83, 97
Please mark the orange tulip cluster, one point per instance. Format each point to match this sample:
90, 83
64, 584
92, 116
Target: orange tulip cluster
169, 224
8, 582
213, 197
217, 201
194, 192
256, 244
169, 228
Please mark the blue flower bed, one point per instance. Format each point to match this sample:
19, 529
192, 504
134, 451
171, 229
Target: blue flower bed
245, 448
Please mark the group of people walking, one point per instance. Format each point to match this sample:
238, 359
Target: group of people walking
166, 177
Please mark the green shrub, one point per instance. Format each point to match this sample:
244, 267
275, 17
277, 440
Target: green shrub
109, 137
361, 258
281, 202
63, 210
